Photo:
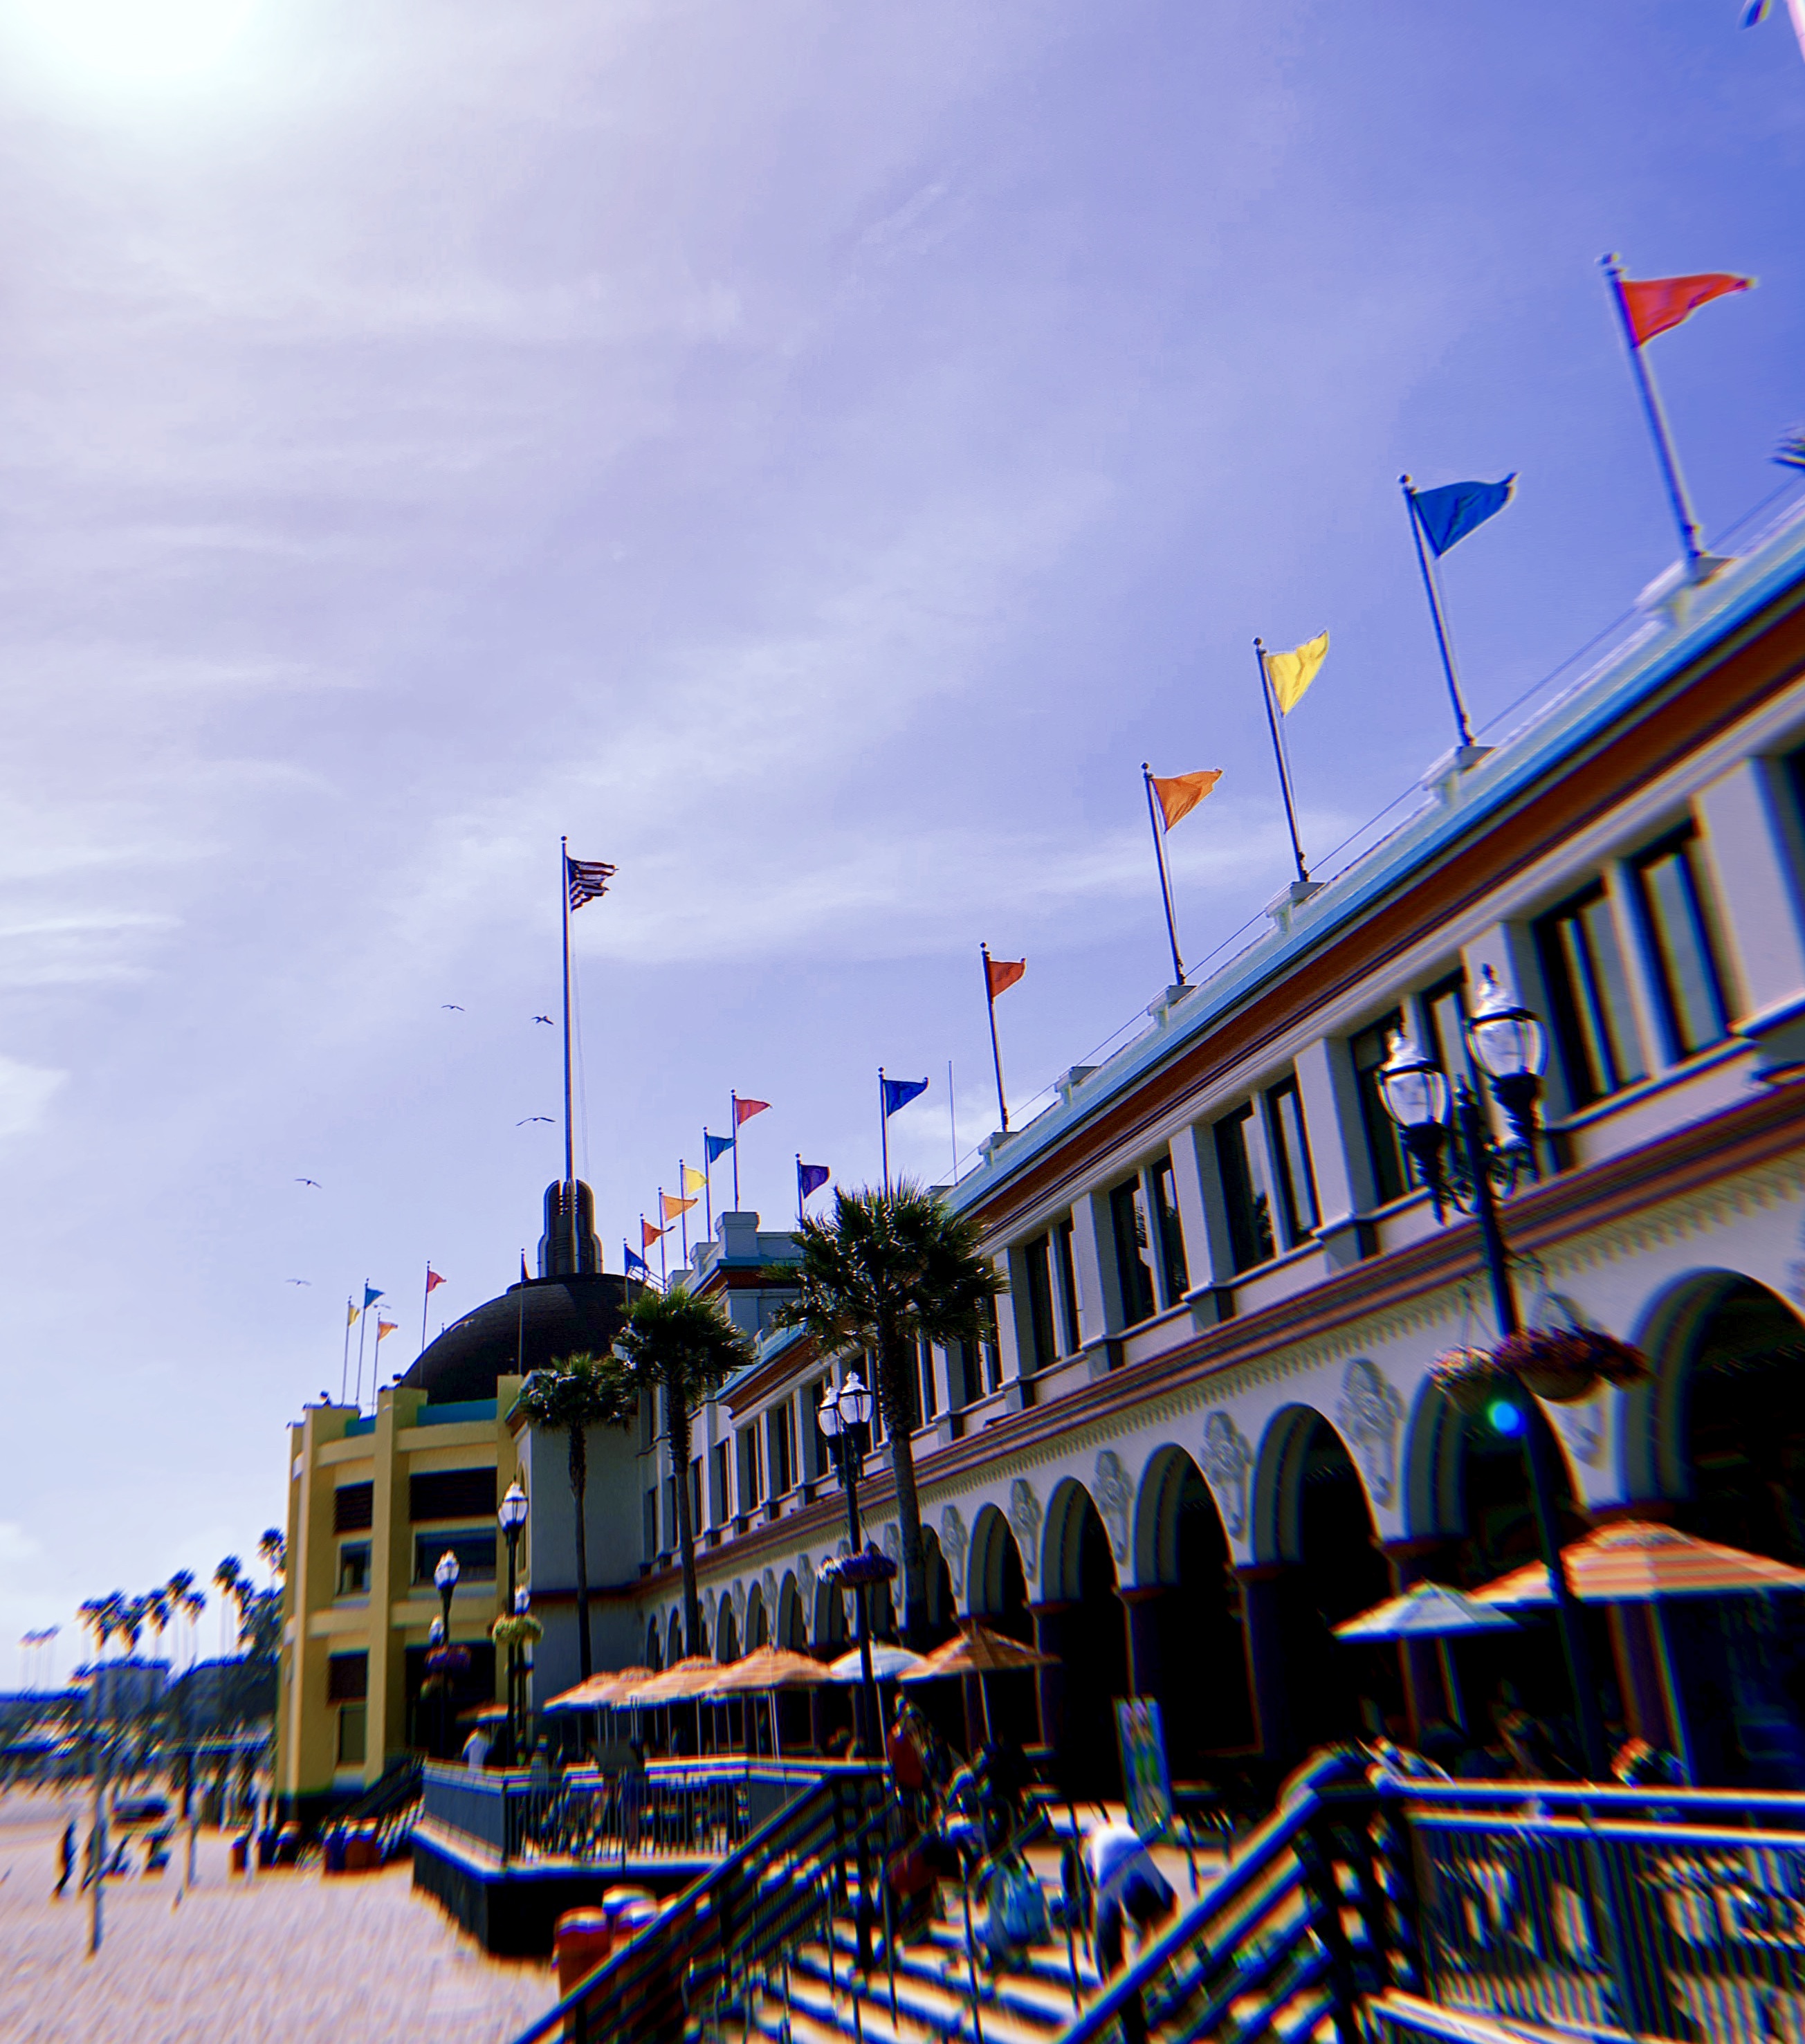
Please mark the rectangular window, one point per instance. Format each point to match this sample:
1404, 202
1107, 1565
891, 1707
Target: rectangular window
817, 1457
648, 1523
354, 1508
1687, 975
1290, 1162
962, 1386
780, 1424
1588, 997
465, 1493
670, 1539
1175, 1272
348, 1678
1444, 1014
696, 1495
990, 1349
1369, 1050
751, 1470
1128, 1223
1250, 1210
721, 1484
1068, 1275
353, 1718
1043, 1340
930, 1398
475, 1553
353, 1569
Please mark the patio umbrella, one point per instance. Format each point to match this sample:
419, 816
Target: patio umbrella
1638, 1561
607, 1687
1425, 1611
766, 1671
979, 1651
677, 1684
888, 1665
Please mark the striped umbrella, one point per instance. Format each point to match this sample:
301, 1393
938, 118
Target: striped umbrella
1638, 1561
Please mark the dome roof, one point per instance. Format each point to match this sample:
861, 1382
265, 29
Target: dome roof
531, 1325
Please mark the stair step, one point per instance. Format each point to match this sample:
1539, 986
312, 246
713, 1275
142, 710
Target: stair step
926, 2006
1040, 1997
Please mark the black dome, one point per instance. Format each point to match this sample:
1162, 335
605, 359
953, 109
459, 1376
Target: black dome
531, 1325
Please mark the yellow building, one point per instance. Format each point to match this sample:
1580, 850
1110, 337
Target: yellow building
375, 1500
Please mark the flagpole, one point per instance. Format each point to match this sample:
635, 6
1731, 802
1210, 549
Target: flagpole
1669, 460
1283, 770
709, 1186
1431, 582
344, 1367
361, 1319
424, 1296
799, 1187
683, 1212
952, 1122
663, 1276
883, 1129
569, 1146
1165, 894
995, 1054
733, 1114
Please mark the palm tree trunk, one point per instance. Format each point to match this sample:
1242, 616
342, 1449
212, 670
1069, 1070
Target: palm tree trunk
894, 1361
579, 1483
677, 1425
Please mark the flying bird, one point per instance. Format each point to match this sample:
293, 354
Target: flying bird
313, 1182
532, 1117
545, 1018
300, 1280
450, 1007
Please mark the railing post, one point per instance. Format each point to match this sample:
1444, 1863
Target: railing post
1317, 1861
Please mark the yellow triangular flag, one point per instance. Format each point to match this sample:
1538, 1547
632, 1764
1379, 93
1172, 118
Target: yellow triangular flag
693, 1180
1180, 793
1292, 673
351, 1314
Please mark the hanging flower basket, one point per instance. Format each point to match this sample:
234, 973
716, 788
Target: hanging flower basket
451, 1659
1468, 1378
519, 1630
1564, 1365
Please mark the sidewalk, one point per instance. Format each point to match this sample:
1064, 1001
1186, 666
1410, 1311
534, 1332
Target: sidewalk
285, 1958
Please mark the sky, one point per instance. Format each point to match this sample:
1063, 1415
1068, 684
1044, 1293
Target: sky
809, 455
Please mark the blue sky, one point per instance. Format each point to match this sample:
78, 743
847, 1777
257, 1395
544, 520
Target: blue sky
811, 455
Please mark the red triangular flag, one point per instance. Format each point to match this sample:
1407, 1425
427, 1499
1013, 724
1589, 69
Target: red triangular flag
523, 1278
433, 1280
1003, 973
743, 1110
1658, 304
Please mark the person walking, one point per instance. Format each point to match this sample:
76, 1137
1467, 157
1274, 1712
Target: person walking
66, 1856
1123, 1882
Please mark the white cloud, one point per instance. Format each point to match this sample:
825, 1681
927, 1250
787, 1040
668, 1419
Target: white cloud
25, 1094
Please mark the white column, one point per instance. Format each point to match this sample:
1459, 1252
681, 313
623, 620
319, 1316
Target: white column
1201, 1212
1330, 1098
1093, 1266
1750, 835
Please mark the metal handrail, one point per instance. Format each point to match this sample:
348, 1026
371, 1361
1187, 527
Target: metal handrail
749, 1913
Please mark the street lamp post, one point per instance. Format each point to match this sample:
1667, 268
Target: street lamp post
1506, 1042
513, 1517
446, 1576
842, 1413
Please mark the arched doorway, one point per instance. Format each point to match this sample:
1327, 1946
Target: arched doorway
654, 1647
1314, 1535
1187, 1621
1721, 1432
674, 1648
1084, 1622
727, 1633
757, 1633
793, 1634
942, 1610
997, 1594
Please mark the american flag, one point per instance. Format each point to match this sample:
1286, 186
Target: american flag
588, 879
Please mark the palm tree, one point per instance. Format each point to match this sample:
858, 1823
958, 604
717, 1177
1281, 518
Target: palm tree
686, 1347
582, 1392
272, 1548
892, 1269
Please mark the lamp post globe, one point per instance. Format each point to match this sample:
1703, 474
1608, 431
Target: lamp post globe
855, 1400
1510, 1045
839, 1413
828, 1415
446, 1576
1414, 1091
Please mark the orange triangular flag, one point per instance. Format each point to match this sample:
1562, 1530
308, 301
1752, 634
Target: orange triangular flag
1658, 304
670, 1209
648, 1235
1002, 974
1180, 793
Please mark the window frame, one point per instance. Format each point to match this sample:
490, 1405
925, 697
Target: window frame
1173, 1270
1128, 1203
1677, 848
1036, 1255
1591, 1032
1385, 1157
1253, 1241
1298, 1229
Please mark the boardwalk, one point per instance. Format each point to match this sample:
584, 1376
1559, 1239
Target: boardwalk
288, 1958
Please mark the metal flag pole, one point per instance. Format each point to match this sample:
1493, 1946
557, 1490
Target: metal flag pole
1284, 766
1431, 582
733, 1117
423, 1297
663, 1278
952, 1122
344, 1366
1663, 438
883, 1129
362, 1318
709, 1186
682, 1210
569, 1148
799, 1187
1164, 887
997, 1054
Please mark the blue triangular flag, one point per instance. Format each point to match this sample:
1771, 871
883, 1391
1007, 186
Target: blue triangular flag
371, 1294
899, 1092
811, 1177
635, 1261
717, 1146
1447, 515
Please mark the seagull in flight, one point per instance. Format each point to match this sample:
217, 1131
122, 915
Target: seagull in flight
300, 1280
545, 1018
450, 1007
532, 1117
313, 1182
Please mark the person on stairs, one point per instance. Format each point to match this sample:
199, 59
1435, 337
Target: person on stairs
1123, 1882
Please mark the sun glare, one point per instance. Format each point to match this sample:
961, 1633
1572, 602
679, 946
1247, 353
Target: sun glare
124, 40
